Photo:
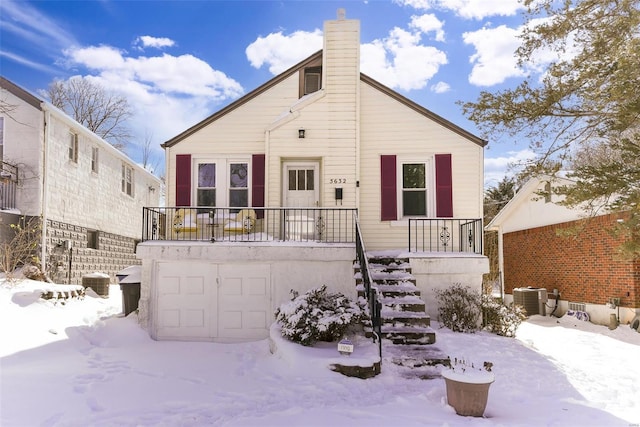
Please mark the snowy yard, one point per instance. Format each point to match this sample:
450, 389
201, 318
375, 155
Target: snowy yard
84, 364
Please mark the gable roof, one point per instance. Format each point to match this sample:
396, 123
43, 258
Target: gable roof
526, 193
421, 110
20, 93
303, 64
244, 99
46, 106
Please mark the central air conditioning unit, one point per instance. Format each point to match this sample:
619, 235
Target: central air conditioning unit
532, 299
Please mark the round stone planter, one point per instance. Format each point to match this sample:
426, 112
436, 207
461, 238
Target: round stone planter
468, 392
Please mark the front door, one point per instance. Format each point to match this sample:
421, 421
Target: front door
301, 191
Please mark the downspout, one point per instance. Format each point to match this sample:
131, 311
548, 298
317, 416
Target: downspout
500, 263
267, 160
45, 156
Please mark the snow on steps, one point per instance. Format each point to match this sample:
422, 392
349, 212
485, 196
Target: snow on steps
404, 320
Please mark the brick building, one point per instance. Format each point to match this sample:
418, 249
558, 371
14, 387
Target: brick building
546, 245
87, 194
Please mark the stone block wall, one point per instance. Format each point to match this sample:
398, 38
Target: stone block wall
114, 253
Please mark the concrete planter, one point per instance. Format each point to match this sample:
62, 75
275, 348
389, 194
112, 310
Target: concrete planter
468, 393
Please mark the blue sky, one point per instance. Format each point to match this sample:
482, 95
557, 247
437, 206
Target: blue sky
177, 62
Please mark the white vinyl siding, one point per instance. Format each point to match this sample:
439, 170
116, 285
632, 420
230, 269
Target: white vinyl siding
388, 127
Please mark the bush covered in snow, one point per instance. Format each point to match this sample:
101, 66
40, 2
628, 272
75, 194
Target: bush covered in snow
500, 318
459, 308
317, 316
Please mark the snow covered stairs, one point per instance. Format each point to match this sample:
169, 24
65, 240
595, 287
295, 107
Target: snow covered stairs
404, 320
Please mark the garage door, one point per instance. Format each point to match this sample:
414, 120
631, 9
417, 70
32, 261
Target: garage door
202, 301
244, 301
186, 292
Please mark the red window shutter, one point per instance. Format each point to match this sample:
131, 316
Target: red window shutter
257, 183
444, 186
183, 180
388, 190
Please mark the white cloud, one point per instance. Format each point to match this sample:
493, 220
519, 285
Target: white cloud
167, 93
156, 42
468, 9
27, 22
400, 61
494, 60
440, 87
179, 75
279, 51
496, 168
29, 63
428, 23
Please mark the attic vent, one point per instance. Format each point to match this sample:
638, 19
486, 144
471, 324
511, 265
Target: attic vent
312, 82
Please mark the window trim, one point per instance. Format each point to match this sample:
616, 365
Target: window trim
124, 182
95, 159
73, 147
429, 178
314, 67
223, 184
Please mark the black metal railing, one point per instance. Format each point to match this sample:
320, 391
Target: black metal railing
371, 294
8, 185
445, 235
325, 225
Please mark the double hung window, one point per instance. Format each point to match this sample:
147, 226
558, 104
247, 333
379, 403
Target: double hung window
127, 179
414, 189
73, 147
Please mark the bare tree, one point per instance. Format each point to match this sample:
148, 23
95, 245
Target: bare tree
149, 161
100, 111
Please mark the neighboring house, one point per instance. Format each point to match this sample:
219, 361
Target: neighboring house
88, 194
539, 249
281, 179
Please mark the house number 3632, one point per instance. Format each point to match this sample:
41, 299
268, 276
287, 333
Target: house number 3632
338, 181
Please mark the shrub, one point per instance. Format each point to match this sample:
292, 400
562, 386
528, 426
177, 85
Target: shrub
500, 318
317, 316
459, 308
22, 247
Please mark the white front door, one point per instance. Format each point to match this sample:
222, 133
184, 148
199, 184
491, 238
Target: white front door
301, 184
301, 190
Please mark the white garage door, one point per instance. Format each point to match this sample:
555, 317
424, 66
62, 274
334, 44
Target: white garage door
201, 301
244, 301
185, 294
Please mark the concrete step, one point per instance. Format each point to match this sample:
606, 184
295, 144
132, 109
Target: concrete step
405, 303
405, 335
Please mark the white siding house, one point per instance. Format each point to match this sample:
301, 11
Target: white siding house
319, 149
85, 191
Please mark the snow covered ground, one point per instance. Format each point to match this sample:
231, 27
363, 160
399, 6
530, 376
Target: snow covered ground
84, 364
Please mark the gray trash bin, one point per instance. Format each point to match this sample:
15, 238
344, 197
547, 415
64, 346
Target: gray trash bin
130, 286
